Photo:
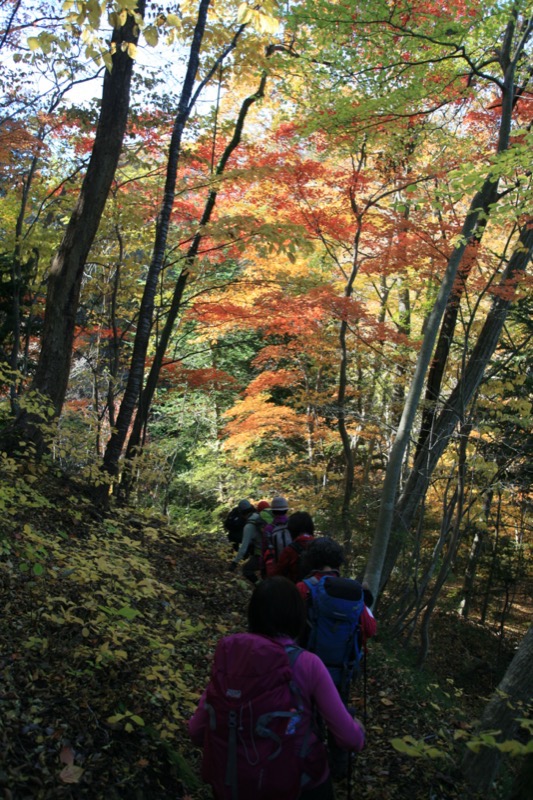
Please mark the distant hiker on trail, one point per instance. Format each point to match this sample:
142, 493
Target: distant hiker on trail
252, 542
276, 536
339, 625
255, 720
292, 562
234, 526
264, 511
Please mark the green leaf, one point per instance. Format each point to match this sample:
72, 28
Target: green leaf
38, 569
128, 613
116, 718
403, 747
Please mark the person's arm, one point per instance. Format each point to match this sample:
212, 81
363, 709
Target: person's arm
303, 588
198, 722
348, 732
368, 624
247, 536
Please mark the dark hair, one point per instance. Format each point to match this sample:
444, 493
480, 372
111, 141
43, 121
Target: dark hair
276, 608
300, 522
324, 552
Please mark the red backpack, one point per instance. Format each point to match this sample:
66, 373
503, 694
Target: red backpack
255, 710
274, 542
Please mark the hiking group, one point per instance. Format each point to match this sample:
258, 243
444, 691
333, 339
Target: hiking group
274, 721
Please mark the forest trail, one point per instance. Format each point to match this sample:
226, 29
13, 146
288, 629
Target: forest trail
109, 627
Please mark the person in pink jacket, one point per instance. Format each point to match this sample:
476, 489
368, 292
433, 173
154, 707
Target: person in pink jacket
277, 613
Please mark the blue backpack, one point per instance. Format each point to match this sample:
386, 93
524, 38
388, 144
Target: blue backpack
334, 614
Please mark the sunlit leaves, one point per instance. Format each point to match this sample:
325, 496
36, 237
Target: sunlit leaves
261, 21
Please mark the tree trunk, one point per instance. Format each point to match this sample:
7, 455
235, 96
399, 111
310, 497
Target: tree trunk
453, 411
66, 271
453, 544
473, 557
349, 461
390, 521
153, 376
134, 383
501, 714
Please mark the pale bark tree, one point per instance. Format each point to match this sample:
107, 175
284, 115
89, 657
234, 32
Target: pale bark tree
391, 519
453, 412
506, 706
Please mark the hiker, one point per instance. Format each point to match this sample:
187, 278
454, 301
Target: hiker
234, 526
252, 542
324, 558
275, 536
292, 562
339, 625
254, 721
263, 509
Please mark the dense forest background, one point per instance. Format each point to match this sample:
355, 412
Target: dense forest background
251, 249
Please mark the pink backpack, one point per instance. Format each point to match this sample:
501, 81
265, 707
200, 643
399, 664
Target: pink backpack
255, 710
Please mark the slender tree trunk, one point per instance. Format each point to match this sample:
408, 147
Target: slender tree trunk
447, 330
453, 411
473, 558
490, 578
136, 373
349, 461
391, 520
453, 544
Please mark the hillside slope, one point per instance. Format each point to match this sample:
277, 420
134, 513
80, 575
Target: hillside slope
108, 629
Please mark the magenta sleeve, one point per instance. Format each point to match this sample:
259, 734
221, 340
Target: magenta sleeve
311, 672
197, 723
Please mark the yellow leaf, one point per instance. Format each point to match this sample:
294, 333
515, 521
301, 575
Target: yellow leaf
265, 23
173, 20
108, 61
151, 35
244, 14
71, 774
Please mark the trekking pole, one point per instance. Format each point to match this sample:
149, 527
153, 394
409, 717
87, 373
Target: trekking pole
350, 754
364, 686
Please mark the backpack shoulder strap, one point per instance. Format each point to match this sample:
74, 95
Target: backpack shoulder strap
298, 547
293, 653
